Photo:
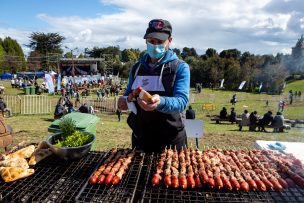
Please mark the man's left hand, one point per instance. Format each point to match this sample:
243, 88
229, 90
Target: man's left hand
155, 100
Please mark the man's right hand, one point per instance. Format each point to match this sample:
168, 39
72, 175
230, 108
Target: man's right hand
122, 103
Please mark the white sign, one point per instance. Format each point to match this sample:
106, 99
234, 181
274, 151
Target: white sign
222, 83
242, 85
194, 128
49, 83
261, 85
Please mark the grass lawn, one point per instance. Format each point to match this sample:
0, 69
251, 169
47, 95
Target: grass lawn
111, 133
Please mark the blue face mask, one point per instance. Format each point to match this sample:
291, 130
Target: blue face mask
156, 51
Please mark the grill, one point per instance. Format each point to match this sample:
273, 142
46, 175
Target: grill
60, 181
54, 180
162, 194
124, 192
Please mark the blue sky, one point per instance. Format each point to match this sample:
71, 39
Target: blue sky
16, 13
257, 26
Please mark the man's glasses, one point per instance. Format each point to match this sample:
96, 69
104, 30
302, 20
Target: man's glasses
157, 25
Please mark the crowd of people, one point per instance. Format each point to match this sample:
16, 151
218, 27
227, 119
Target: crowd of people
103, 90
27, 82
65, 106
254, 121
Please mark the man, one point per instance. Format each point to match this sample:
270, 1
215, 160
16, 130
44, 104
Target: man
190, 113
158, 124
223, 113
118, 113
278, 122
245, 120
266, 120
253, 118
232, 116
3, 108
233, 100
290, 96
60, 110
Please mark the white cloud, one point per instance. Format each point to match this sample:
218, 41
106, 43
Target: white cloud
261, 27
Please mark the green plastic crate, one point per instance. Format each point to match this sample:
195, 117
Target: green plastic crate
33, 90
27, 90
83, 121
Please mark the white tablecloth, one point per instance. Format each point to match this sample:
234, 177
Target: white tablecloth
295, 148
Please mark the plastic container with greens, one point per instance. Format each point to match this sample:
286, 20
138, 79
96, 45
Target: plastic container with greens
69, 143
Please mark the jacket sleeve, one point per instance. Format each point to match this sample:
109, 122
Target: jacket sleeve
130, 81
178, 102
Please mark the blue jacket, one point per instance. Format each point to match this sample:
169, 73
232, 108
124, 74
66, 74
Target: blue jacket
180, 98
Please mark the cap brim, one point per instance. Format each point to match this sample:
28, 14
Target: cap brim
157, 35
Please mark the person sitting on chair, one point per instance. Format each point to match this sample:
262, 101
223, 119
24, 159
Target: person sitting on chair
245, 119
253, 118
85, 108
266, 120
60, 110
223, 113
278, 122
3, 108
232, 117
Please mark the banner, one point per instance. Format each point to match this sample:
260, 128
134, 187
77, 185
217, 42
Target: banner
49, 83
222, 83
261, 85
59, 82
242, 85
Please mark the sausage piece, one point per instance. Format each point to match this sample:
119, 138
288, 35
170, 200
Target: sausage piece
244, 186
252, 184
261, 185
218, 182
183, 182
174, 182
155, 180
190, 182
167, 181
115, 180
235, 184
198, 182
108, 179
93, 180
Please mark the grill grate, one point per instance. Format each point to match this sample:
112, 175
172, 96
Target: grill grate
54, 180
161, 194
124, 192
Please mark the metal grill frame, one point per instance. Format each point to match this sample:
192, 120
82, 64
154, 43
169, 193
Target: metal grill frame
54, 180
161, 194
124, 192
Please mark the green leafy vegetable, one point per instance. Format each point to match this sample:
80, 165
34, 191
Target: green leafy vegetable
77, 139
70, 137
67, 126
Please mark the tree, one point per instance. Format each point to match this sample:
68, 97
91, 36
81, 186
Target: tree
34, 61
231, 53
43, 43
130, 55
232, 72
46, 44
188, 52
81, 55
97, 52
125, 69
177, 51
14, 58
210, 52
2, 53
273, 77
